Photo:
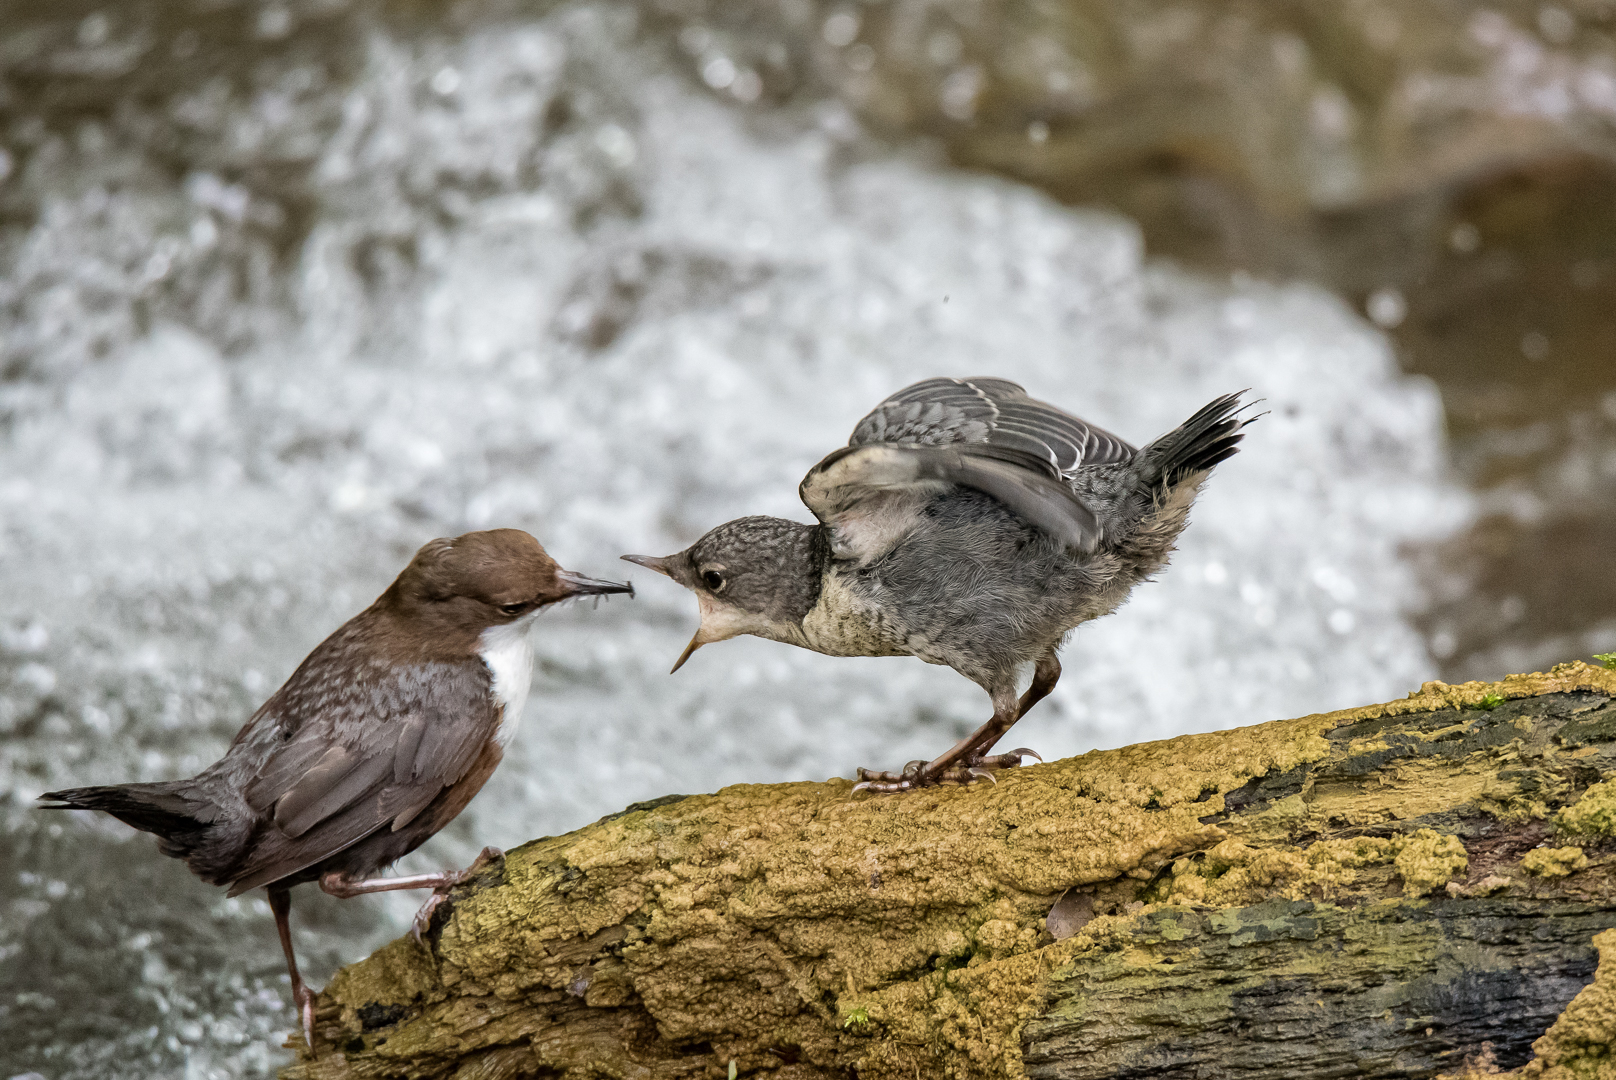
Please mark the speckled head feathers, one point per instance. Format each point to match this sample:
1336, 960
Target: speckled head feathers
753, 575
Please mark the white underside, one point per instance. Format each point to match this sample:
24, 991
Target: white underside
509, 656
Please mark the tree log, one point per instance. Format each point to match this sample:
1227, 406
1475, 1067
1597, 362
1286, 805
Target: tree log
1394, 890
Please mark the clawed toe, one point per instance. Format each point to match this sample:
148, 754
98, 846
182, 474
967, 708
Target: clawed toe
883, 784
919, 774
491, 855
1010, 760
304, 998
423, 917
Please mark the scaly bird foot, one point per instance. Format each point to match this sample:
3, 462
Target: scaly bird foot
919, 774
423, 918
304, 997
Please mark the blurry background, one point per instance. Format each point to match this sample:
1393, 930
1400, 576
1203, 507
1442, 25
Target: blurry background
287, 289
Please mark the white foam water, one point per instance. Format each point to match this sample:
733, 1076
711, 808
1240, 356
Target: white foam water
615, 329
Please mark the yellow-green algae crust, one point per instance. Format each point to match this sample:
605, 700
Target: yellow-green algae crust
1554, 862
762, 917
1594, 814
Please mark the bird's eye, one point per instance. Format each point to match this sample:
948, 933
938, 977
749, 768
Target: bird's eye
513, 609
714, 580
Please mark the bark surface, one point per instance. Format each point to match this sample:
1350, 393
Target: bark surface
1394, 890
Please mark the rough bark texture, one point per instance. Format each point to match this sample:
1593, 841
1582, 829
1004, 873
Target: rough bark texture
1395, 890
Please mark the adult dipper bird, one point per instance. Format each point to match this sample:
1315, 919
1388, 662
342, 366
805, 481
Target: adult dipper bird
964, 523
378, 740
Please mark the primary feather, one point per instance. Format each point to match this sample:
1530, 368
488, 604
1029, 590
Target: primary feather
980, 433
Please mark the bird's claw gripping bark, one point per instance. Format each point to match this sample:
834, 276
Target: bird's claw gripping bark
919, 774
1009, 760
423, 917
304, 997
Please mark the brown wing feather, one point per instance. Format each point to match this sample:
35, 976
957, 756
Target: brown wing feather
355, 747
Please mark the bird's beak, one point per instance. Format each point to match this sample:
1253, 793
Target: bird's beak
650, 562
718, 622
664, 566
696, 642
578, 585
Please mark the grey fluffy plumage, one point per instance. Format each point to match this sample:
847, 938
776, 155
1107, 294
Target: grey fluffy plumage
966, 524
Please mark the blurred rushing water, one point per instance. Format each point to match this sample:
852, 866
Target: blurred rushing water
1448, 166
290, 289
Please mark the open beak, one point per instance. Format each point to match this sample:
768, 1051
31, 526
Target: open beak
663, 566
650, 562
578, 585
697, 640
714, 625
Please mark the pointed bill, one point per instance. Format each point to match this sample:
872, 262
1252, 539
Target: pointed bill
579, 585
696, 642
651, 562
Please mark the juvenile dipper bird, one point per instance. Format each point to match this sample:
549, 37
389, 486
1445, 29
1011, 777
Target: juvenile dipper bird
378, 740
964, 523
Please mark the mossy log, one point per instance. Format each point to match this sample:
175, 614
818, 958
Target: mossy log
1395, 890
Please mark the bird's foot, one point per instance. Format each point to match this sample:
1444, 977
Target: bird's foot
440, 892
304, 998
919, 774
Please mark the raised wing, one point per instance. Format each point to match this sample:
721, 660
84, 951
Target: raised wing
980, 433
344, 757
984, 413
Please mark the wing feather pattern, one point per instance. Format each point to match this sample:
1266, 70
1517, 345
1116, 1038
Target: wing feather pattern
347, 758
981, 433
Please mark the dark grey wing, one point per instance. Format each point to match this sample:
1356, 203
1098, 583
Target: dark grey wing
344, 751
989, 414
980, 433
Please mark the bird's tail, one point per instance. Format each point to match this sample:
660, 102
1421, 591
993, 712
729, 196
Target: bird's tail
1210, 436
160, 809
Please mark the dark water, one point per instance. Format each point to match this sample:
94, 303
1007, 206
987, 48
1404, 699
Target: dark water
289, 289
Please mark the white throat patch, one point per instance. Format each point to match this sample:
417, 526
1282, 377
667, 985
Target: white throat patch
509, 656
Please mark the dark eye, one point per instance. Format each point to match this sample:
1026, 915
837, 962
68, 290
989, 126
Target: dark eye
714, 580
513, 609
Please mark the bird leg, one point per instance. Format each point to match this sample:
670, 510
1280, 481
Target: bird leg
1045, 674
339, 884
280, 902
967, 759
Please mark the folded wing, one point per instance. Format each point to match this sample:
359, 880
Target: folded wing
354, 758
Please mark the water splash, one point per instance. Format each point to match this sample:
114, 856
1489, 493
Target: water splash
538, 281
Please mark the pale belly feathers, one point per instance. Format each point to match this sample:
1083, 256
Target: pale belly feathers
845, 624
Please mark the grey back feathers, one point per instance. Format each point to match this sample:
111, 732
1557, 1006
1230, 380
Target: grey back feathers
989, 415
979, 433
980, 579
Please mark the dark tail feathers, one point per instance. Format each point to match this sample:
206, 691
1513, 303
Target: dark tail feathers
153, 808
1208, 437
